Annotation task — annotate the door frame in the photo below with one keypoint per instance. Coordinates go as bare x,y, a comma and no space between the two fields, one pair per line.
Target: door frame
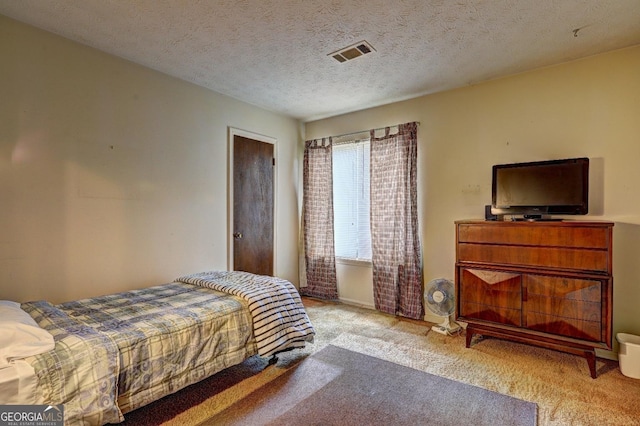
230,212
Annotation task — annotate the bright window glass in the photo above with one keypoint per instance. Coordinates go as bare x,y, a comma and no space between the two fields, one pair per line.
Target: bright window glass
351,200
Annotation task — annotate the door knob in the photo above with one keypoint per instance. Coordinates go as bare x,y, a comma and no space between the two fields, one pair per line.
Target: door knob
237,235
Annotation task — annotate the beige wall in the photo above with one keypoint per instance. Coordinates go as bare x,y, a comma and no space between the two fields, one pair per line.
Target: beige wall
584,108
113,176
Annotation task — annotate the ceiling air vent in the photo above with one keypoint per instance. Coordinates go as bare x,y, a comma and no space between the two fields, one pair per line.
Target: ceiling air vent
352,52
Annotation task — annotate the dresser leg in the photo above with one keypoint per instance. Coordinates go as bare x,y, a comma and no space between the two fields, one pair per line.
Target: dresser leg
591,360
469,336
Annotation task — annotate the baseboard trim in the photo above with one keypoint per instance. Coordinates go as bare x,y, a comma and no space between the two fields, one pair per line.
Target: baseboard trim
356,303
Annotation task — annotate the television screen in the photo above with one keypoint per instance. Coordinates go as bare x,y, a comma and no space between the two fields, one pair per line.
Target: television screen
542,187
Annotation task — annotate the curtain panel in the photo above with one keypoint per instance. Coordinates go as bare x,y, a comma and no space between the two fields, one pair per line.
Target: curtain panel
317,220
397,259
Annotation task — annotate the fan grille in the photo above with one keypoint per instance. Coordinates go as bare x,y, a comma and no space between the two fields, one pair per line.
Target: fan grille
439,297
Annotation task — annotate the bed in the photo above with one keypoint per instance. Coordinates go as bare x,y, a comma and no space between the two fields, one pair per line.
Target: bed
118,352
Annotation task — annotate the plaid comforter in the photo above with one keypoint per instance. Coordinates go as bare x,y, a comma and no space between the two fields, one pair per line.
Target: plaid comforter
81,372
119,352
280,321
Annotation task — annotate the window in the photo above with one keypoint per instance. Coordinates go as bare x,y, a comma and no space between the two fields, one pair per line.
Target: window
352,233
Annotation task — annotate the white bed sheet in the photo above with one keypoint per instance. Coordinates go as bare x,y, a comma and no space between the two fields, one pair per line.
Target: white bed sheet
18,384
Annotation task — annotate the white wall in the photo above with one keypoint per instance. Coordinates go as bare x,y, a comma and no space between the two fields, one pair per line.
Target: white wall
114,176
584,108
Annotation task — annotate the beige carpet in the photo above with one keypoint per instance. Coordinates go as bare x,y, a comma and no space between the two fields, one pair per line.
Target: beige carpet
335,387
559,383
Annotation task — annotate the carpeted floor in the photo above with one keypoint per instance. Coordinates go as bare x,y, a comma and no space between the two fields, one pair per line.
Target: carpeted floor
558,383
335,387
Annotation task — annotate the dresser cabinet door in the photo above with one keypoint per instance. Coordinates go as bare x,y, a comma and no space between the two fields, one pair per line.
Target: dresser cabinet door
491,296
569,307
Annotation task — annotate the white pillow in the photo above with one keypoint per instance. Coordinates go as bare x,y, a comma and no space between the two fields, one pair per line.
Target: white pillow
20,335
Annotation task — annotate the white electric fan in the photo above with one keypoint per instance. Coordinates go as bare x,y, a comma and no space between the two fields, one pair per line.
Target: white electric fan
439,296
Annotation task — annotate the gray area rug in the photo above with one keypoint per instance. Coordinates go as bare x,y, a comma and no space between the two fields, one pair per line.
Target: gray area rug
336,386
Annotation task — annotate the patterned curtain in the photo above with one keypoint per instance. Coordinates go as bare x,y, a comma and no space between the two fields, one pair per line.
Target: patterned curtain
397,260
317,220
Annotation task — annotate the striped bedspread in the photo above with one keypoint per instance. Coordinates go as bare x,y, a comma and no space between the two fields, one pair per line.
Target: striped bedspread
280,321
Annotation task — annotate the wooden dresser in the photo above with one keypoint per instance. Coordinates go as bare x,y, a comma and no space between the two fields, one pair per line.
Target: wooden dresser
544,283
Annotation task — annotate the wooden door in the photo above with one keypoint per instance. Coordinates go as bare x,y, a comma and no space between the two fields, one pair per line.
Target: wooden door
253,205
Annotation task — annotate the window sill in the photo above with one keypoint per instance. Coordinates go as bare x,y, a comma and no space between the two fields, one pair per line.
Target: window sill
353,262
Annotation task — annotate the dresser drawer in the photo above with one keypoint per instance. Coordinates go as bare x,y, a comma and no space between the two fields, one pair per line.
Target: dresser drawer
565,306
495,314
491,288
539,257
536,234
491,296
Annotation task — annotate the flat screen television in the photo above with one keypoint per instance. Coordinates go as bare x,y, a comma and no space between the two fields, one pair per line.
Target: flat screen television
538,189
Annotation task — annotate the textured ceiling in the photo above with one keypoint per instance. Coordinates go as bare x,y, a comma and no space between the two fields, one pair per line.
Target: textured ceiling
274,53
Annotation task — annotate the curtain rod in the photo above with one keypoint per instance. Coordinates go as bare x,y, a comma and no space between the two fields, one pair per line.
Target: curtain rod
366,131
